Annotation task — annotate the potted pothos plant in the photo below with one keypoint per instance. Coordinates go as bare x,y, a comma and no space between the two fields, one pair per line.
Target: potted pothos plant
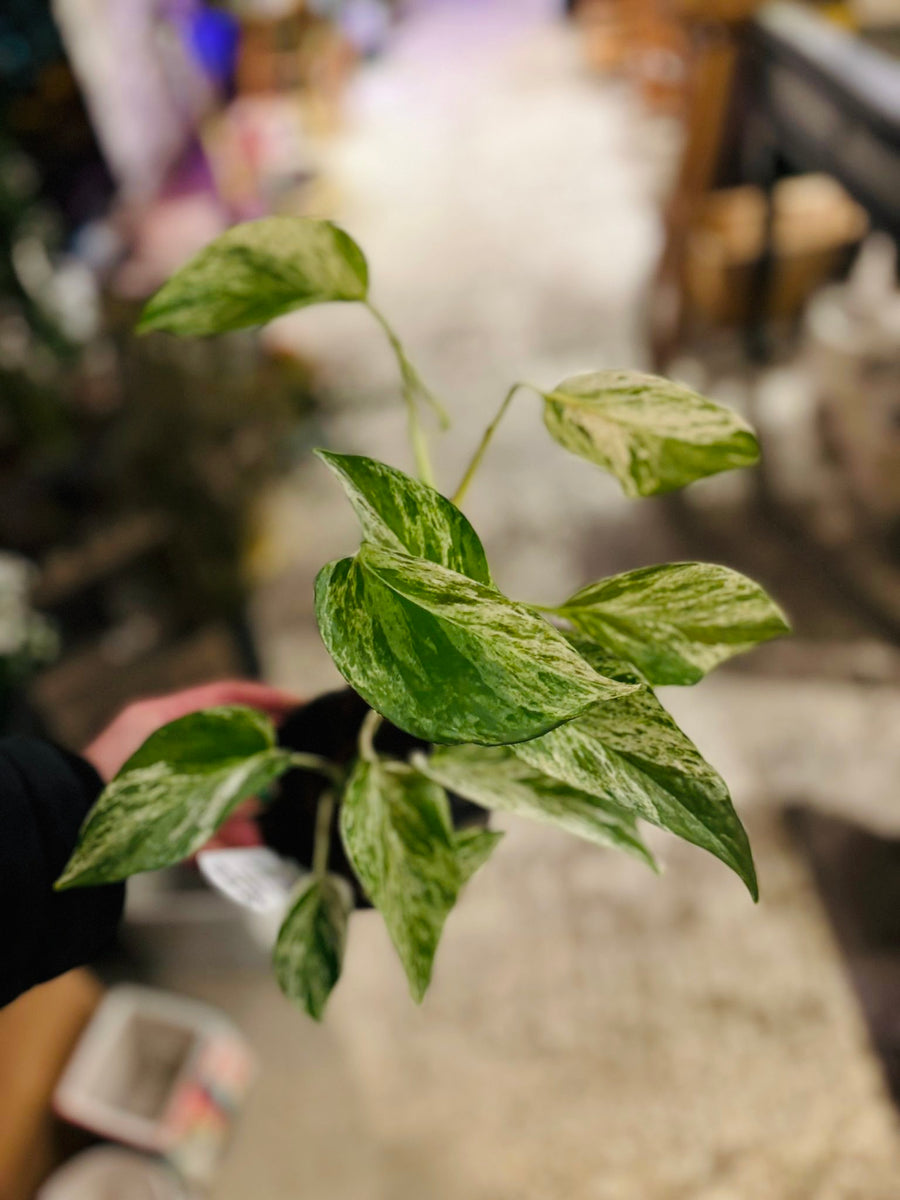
457,689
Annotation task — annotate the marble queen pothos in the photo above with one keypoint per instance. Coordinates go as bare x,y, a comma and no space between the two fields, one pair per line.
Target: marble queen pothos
548,713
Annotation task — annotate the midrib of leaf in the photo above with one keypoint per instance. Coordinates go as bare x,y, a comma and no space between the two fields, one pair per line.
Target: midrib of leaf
580,670
641,417
735,847
218,801
652,628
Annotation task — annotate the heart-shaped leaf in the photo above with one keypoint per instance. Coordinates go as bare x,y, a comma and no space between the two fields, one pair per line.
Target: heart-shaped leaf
633,755
400,513
445,658
676,621
474,847
396,829
174,793
495,777
257,271
652,434
309,952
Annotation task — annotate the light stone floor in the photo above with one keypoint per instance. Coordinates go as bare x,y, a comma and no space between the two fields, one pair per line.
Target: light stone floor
593,1033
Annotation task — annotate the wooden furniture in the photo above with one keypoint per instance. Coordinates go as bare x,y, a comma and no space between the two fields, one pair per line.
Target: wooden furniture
38,1032
716,29
815,98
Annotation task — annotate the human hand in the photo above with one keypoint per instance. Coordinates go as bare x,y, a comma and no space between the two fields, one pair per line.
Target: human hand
134,724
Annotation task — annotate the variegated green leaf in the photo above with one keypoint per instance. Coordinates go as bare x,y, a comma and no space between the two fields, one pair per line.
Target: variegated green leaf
309,952
495,777
652,434
396,829
633,755
445,658
676,621
400,513
174,793
203,740
257,271
474,847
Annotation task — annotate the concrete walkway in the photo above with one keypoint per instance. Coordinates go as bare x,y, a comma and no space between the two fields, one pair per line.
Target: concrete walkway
593,1033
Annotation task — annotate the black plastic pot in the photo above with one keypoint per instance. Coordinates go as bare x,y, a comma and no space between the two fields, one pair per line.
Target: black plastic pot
329,726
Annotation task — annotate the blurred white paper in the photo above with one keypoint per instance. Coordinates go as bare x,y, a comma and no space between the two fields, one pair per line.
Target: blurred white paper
252,876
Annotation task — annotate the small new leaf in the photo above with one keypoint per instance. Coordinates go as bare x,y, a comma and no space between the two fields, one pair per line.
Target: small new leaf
474,847
496,778
400,513
258,271
396,829
445,658
309,952
174,793
652,434
633,755
676,621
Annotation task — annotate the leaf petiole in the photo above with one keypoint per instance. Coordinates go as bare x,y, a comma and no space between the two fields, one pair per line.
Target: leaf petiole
551,609
322,843
414,390
314,762
367,731
488,434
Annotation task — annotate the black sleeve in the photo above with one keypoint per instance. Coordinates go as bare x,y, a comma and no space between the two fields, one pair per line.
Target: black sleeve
45,794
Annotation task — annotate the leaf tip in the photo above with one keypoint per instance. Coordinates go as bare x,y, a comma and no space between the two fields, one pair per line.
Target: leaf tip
787,626
746,869
70,877
418,990
331,460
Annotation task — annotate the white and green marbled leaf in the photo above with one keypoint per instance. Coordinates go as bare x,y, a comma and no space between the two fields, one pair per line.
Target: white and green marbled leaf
400,513
676,621
309,951
397,832
445,658
497,778
633,755
173,794
652,434
255,272
474,846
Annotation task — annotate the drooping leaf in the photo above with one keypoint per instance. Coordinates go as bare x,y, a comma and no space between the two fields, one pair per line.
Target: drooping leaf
400,513
474,847
676,621
497,778
652,434
309,952
396,829
633,755
173,794
445,658
257,271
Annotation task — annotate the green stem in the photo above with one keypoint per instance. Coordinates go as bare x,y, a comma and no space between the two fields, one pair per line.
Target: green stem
322,844
367,732
419,443
414,390
484,443
313,762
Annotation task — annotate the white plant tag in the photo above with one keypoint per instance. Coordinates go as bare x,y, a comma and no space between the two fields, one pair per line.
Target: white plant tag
253,876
